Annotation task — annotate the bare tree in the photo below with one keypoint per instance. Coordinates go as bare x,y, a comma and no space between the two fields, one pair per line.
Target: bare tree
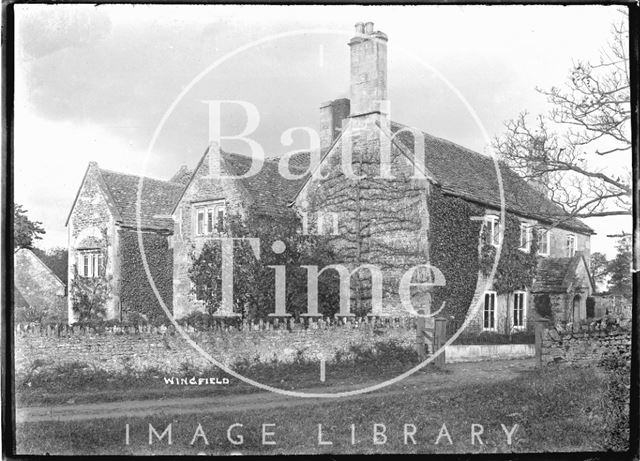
572,152
599,268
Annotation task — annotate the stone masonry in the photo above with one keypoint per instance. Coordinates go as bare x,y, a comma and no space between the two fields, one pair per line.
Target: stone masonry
584,347
168,351
90,221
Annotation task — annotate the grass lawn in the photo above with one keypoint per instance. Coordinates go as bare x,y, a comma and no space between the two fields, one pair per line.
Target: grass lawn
80,384
555,410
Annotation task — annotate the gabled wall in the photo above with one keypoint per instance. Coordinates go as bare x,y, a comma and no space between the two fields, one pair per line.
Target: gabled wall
202,188
91,215
559,239
383,222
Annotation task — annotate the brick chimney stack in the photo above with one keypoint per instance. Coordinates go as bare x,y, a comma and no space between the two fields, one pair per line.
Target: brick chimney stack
368,70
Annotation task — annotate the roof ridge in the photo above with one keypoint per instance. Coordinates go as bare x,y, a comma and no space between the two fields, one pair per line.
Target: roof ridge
444,140
510,174
138,176
294,152
272,159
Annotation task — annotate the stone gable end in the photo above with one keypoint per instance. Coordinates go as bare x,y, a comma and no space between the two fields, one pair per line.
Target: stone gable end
202,188
380,221
91,215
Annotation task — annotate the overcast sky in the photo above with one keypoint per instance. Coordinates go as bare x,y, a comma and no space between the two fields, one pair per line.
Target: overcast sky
93,82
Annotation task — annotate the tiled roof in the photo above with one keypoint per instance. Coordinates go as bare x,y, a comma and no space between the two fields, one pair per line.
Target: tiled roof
550,275
459,171
157,199
182,176
270,191
18,299
556,275
468,174
26,262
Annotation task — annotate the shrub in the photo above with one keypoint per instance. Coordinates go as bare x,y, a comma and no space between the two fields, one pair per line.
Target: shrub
28,314
31,370
134,318
394,350
71,375
254,279
382,353
542,304
197,319
76,375
359,353
616,400
519,337
89,295
591,307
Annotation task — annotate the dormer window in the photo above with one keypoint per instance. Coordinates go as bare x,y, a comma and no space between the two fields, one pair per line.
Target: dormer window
210,217
492,230
571,245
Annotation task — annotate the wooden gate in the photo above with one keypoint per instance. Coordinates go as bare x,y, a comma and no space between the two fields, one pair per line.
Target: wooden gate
430,336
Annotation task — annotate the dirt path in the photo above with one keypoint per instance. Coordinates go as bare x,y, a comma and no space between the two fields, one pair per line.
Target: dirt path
457,374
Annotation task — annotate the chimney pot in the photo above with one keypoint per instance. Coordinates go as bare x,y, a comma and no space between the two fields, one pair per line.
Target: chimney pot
359,27
368,71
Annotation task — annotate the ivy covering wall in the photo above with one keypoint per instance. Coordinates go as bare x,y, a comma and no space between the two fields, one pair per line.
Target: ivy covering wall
454,250
89,295
516,268
136,294
254,279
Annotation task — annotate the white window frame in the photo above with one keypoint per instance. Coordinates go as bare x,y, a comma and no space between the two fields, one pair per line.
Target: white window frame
90,263
523,317
493,323
571,247
210,212
493,223
547,234
527,244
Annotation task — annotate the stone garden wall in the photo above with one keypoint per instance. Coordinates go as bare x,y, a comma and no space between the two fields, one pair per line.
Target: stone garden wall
141,348
585,346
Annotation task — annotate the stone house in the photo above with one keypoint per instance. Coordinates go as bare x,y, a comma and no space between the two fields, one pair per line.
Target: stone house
103,216
368,192
37,287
